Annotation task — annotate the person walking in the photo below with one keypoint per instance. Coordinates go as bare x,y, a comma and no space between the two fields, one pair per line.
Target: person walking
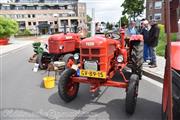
153,42
145,33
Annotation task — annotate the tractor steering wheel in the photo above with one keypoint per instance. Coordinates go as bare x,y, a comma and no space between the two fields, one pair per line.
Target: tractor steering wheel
113,35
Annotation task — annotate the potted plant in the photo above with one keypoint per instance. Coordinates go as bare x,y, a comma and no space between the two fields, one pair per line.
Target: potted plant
8,27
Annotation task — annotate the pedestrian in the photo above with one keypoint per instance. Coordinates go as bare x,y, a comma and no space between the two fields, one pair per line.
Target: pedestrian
145,33
132,30
153,42
141,25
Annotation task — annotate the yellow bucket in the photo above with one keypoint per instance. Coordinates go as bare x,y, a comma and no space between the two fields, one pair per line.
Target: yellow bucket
49,82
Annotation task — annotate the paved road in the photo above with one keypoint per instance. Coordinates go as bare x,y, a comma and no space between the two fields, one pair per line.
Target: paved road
23,96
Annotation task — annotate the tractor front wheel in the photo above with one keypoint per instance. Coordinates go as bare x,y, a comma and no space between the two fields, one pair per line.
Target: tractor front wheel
176,93
137,57
131,94
67,89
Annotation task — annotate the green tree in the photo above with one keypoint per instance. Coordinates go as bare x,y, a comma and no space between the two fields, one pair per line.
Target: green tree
109,26
8,27
124,20
89,19
133,8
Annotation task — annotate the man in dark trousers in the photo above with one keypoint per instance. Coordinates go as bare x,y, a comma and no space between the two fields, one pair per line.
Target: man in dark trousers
153,42
145,33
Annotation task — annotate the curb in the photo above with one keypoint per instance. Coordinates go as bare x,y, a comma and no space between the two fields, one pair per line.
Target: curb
153,76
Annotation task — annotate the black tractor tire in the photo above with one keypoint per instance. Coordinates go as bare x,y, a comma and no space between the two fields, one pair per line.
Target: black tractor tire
65,83
176,94
40,59
131,94
137,58
164,116
66,58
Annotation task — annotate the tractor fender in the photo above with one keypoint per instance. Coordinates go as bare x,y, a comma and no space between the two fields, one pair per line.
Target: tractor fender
175,53
136,38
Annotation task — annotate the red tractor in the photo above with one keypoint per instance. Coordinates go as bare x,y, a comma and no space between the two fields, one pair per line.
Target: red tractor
171,85
60,47
99,59
175,64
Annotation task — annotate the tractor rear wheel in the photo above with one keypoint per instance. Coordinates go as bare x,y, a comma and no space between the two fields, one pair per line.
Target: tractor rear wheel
69,60
176,93
41,60
131,94
67,89
137,58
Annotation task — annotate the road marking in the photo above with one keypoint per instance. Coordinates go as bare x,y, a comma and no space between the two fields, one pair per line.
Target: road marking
154,82
3,55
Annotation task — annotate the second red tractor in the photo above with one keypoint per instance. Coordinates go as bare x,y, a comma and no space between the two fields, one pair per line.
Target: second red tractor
60,47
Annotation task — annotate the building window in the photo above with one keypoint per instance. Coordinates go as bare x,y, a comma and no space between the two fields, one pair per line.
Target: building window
29,23
158,5
55,22
157,16
29,16
22,24
34,23
33,15
150,17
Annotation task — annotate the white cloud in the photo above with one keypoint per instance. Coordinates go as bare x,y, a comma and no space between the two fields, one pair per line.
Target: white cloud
105,10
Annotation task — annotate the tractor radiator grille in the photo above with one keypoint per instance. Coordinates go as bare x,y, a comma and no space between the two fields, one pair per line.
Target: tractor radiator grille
85,51
93,51
91,54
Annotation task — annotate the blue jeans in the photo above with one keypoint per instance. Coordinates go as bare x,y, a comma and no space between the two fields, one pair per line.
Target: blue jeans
146,52
153,55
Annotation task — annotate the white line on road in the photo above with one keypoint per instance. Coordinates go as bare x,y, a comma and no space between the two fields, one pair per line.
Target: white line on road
154,82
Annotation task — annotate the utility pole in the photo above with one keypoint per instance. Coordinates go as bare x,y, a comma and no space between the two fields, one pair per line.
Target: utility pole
93,23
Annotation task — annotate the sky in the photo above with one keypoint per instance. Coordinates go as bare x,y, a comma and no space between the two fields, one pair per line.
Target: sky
105,10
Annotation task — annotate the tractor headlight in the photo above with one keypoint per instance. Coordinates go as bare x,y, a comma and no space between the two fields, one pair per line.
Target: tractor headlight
120,58
61,47
76,56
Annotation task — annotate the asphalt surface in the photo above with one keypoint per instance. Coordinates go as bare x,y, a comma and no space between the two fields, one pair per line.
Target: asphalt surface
23,96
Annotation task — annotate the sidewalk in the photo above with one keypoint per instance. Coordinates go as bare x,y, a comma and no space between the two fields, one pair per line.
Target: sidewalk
17,43
155,73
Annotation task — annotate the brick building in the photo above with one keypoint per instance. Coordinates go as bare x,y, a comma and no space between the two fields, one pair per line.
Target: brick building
155,10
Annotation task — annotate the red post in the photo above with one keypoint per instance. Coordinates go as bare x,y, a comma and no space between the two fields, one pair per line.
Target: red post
168,61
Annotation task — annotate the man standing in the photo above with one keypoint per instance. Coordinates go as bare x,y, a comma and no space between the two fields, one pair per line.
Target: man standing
153,42
145,33
132,29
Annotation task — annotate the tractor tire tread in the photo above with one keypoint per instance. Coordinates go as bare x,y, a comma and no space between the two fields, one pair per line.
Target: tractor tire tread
63,81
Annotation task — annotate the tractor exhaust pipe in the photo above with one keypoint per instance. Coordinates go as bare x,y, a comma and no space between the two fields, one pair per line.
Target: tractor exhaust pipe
65,28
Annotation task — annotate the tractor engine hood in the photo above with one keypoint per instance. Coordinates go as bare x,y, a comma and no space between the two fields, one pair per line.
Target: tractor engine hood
97,42
62,36
175,55
63,43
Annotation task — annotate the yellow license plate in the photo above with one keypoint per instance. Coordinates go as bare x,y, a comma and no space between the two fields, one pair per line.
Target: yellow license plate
93,74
